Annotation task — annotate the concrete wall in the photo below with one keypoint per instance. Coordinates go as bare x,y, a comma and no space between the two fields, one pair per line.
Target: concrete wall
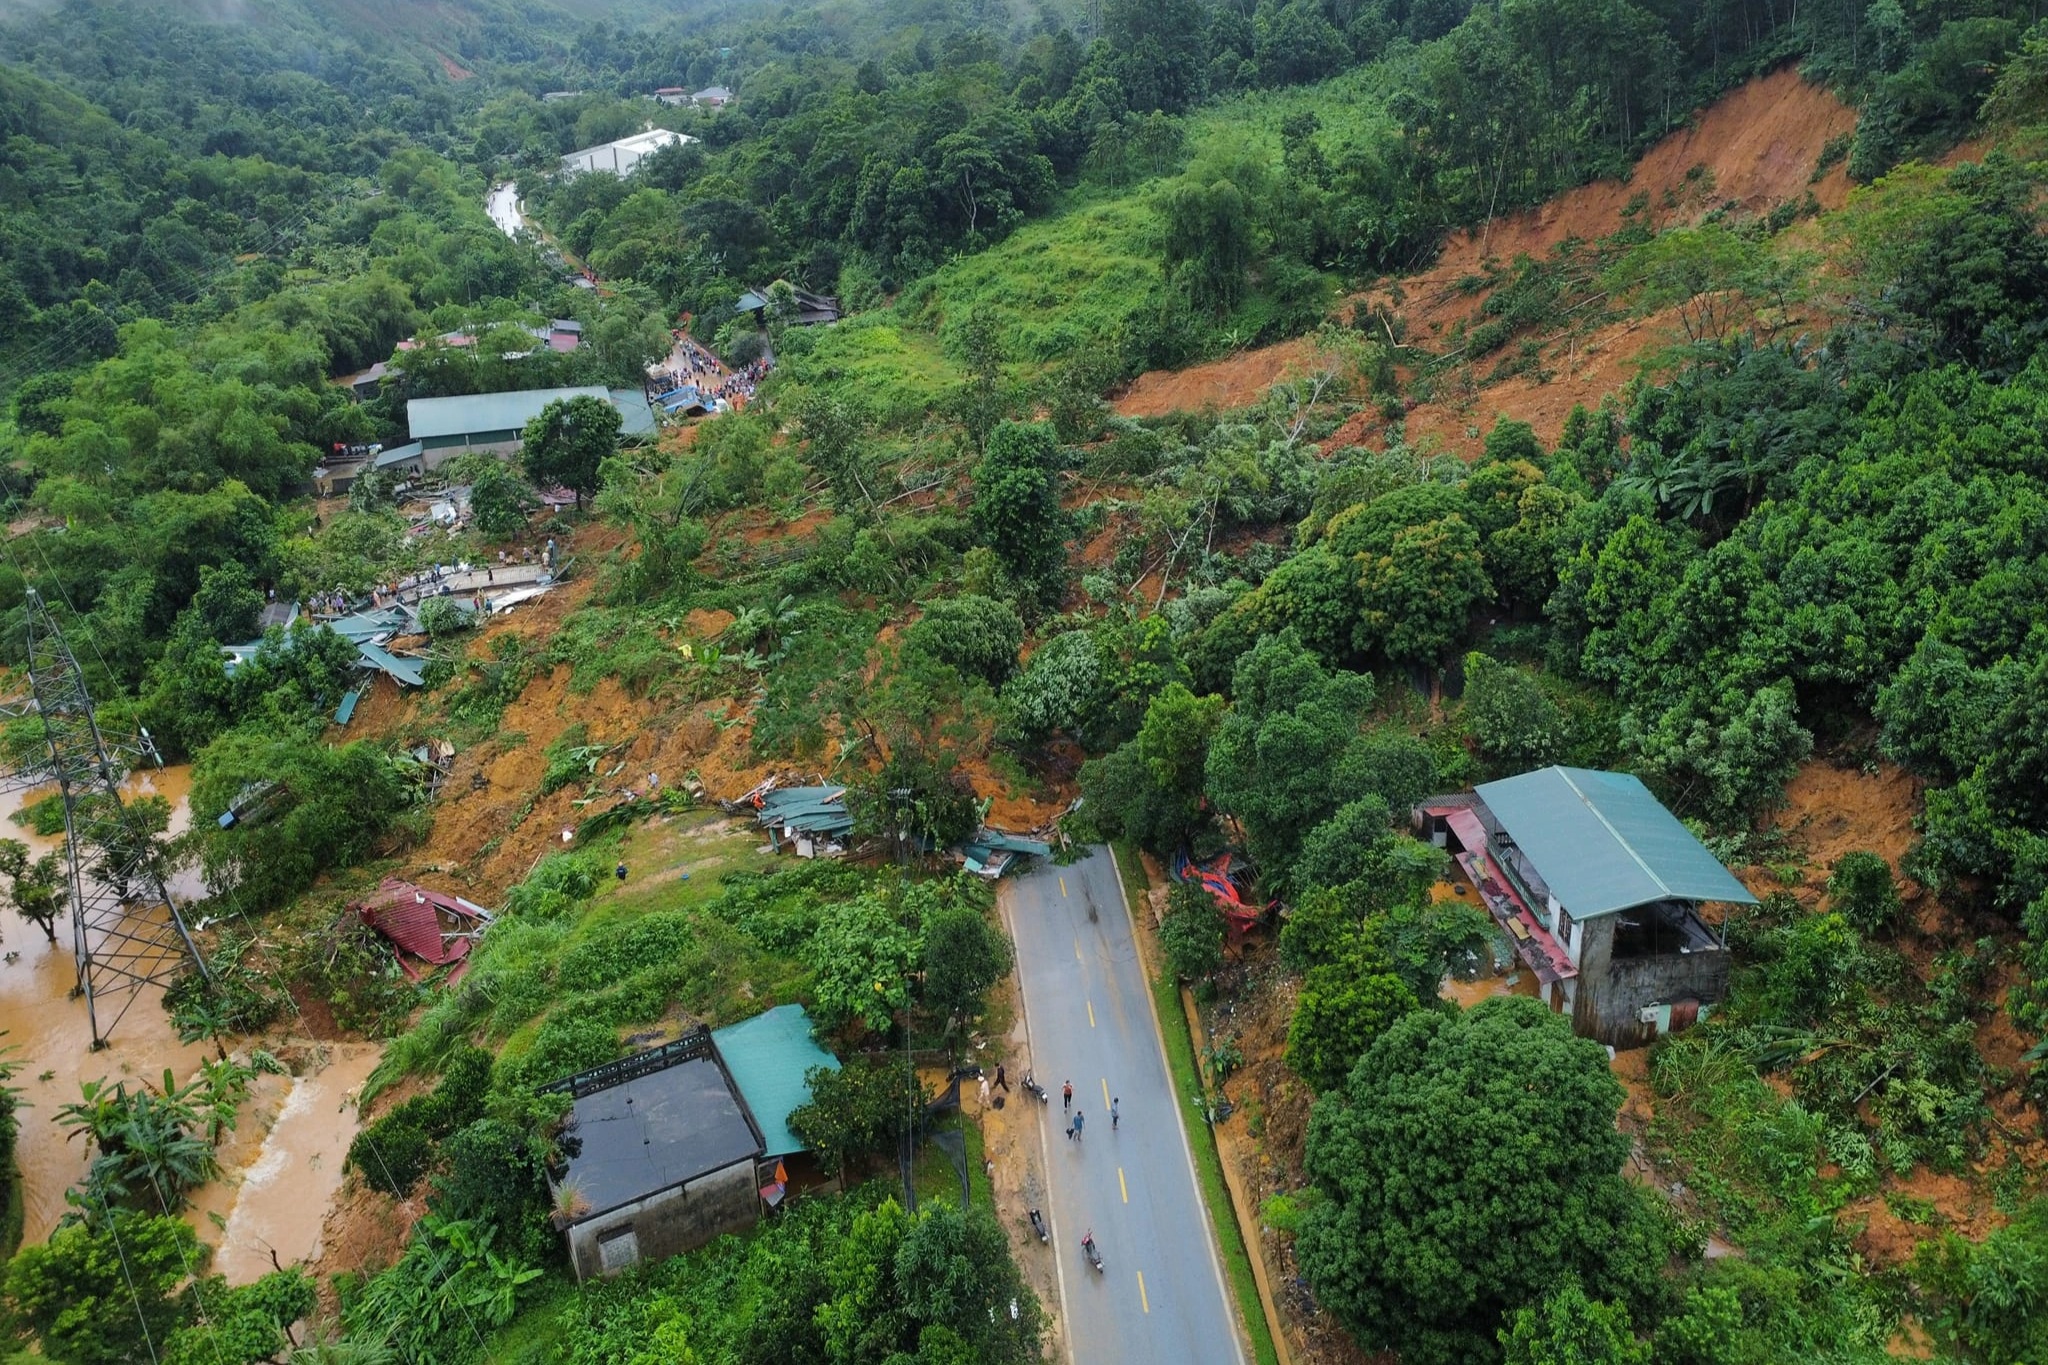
1611,993
671,1222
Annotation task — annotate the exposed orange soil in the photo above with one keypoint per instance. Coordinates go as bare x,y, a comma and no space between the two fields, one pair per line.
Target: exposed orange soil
455,72
1757,147
1233,382
1831,811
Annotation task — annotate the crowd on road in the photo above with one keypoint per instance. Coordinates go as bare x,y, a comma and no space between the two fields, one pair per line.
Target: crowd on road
693,364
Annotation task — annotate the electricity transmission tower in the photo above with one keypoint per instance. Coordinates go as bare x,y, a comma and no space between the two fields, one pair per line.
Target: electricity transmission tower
126,932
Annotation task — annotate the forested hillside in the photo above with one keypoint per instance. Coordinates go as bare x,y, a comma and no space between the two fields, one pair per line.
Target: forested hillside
1354,261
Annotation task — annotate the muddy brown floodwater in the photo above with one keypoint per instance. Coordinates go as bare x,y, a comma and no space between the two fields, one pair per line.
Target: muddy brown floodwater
283,1164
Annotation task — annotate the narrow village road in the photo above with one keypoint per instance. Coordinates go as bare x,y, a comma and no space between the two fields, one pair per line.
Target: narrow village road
1089,1014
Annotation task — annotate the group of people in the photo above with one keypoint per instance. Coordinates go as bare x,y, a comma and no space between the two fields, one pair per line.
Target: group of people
1077,1119
695,365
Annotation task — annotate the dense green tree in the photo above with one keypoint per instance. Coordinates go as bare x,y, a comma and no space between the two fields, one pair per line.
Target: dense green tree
964,955
1282,759
1016,509
977,635
1469,1160
1343,1006
499,502
1567,1328
36,887
1514,724
855,1110
863,958
97,1292
568,441
1191,934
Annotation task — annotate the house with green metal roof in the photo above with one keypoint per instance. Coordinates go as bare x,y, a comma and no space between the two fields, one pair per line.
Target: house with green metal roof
1599,888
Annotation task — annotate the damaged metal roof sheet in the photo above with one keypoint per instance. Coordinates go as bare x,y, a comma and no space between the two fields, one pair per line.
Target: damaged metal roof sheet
813,810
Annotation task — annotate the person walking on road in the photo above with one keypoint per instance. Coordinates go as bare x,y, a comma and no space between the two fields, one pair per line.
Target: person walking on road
1067,1095
1112,1114
1079,1119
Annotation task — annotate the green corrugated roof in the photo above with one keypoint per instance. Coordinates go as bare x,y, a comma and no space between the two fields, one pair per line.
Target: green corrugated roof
476,413
768,1057
1604,844
472,413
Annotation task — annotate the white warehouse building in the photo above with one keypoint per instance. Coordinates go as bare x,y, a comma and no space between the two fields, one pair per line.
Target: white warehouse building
619,158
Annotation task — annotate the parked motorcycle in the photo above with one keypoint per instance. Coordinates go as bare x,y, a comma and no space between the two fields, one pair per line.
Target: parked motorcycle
1044,1097
1038,1226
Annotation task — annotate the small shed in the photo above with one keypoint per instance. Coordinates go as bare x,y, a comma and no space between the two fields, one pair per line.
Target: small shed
660,1154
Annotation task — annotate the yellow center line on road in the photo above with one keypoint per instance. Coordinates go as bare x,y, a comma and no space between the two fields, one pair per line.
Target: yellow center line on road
1105,1092
1143,1300
1091,1014
1063,886
1125,1189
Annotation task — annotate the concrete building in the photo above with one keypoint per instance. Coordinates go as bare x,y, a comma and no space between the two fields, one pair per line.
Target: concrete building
620,158
713,97
665,1150
1598,887
496,422
672,95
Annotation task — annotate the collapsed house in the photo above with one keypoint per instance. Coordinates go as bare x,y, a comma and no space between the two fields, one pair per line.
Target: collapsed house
673,1147
1598,887
990,852
810,820
429,929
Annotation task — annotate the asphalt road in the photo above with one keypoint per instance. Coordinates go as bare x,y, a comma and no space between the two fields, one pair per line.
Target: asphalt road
1160,1296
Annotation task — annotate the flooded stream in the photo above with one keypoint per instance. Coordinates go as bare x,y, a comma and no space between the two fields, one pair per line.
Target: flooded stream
282,1166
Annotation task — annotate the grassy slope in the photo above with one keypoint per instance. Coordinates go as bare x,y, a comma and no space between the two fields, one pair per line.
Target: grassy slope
1076,278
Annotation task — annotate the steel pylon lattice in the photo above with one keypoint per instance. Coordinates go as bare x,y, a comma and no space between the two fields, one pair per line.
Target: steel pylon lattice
127,933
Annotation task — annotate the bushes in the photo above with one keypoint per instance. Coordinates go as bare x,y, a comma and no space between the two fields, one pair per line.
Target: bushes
393,1152
977,635
1191,935
1862,892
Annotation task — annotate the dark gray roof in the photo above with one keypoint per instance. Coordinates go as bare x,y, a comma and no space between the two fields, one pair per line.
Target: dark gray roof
657,1129
1604,844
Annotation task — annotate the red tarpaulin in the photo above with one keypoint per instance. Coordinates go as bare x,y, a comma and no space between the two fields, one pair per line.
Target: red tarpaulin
429,925
1220,876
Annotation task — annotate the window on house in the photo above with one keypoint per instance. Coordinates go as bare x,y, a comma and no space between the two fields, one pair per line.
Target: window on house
618,1248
